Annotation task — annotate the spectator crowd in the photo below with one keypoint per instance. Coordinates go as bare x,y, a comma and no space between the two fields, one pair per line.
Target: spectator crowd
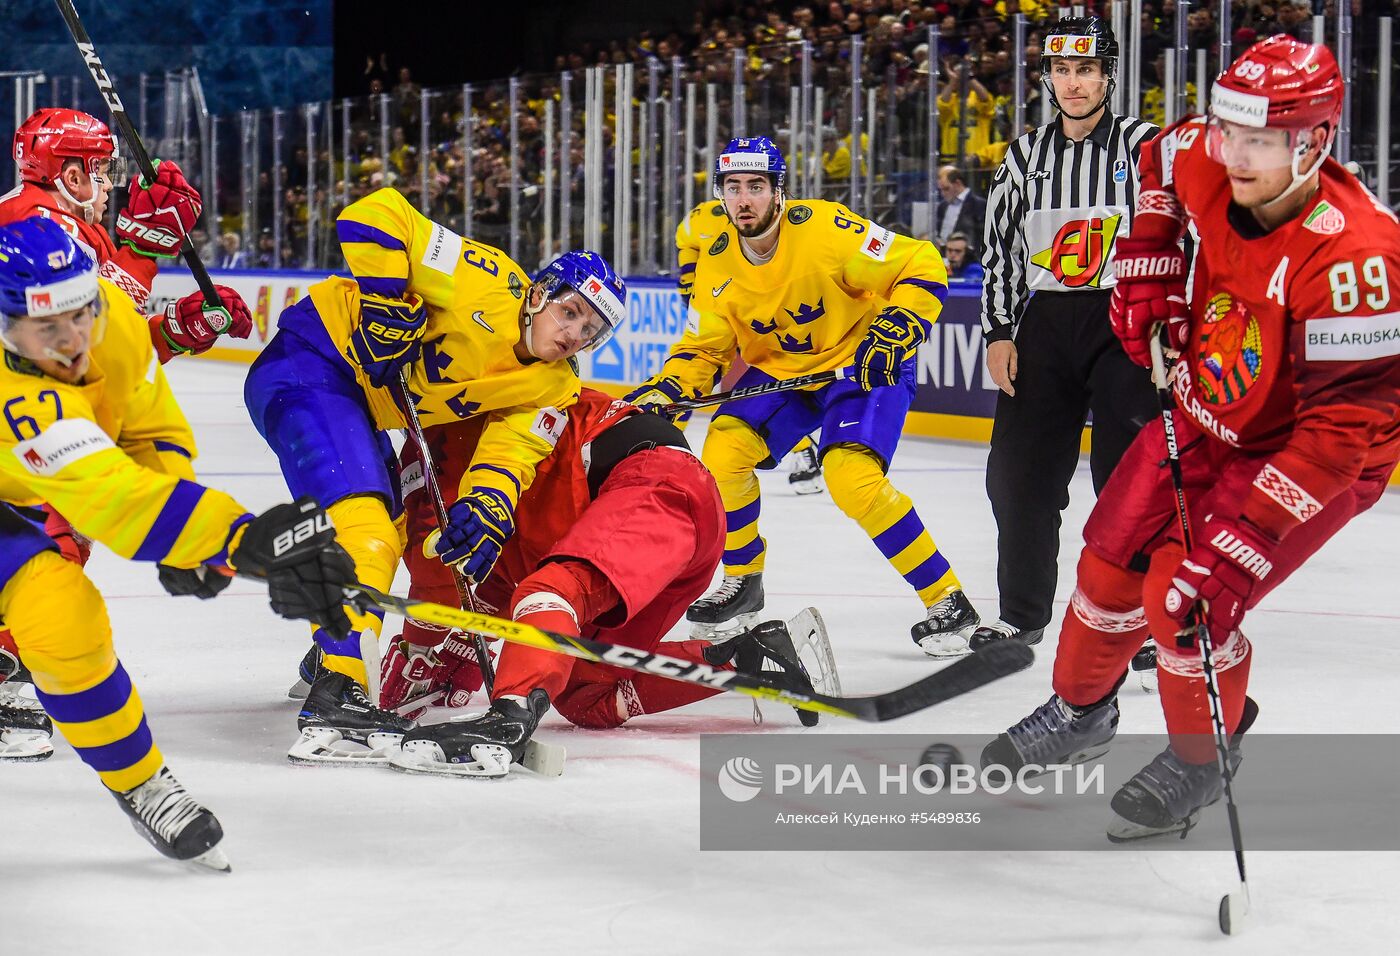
974,79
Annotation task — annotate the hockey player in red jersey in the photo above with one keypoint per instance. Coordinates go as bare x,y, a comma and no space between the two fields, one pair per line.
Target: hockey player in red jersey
67,161
1288,417
621,530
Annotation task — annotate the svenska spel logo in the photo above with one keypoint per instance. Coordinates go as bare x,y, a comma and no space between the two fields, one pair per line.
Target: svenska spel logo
740,779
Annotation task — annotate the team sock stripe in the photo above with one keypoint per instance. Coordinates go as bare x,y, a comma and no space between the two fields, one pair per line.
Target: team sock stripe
740,518
899,535
744,554
102,699
928,572
342,647
119,754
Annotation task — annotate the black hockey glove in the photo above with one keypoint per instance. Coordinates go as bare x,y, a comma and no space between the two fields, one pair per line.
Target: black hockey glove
294,548
203,582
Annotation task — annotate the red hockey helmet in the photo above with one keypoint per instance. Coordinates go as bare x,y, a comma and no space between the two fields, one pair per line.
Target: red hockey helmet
51,137
1265,107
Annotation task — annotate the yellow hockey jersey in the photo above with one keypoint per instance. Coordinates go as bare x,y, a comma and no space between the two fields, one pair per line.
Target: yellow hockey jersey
112,453
468,364
807,308
701,226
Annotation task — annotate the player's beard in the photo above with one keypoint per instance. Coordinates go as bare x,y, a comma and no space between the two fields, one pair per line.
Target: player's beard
760,227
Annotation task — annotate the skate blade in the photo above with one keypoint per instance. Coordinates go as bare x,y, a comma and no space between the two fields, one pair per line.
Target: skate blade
1148,681
299,690
425,758
319,746
943,647
22,746
808,486
809,639
211,860
724,629
1121,830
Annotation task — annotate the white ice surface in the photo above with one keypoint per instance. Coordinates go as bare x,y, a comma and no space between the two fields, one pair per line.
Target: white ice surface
605,859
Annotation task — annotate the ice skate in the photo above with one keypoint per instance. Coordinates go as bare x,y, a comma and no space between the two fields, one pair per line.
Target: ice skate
943,633
806,475
1144,665
1168,795
174,822
1054,733
307,671
24,727
25,730
1001,631
786,655
731,607
337,711
483,746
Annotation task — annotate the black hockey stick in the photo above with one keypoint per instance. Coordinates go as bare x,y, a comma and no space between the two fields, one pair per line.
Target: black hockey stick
425,458
1234,907
801,381
988,664
108,89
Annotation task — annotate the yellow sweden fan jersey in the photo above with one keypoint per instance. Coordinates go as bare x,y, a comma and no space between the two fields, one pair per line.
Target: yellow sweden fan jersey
807,308
468,364
111,453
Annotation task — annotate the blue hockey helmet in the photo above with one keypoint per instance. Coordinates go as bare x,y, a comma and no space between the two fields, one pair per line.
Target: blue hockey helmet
757,154
43,272
593,278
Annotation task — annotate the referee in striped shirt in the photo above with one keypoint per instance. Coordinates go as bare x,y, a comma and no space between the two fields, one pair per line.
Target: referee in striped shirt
1061,197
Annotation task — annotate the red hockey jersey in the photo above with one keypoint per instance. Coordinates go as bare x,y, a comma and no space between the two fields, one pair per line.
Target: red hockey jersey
1295,333
131,272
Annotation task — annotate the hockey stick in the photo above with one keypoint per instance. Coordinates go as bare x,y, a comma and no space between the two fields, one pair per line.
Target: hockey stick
982,667
107,87
801,381
464,591
1234,907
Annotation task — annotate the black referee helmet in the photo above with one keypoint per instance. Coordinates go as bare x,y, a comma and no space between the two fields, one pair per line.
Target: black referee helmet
1084,37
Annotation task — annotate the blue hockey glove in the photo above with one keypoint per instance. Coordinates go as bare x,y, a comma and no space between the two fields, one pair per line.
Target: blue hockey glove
656,393
478,526
389,335
892,338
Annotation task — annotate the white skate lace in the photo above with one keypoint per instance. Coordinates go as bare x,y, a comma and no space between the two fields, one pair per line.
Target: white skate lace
945,609
1002,628
163,805
727,589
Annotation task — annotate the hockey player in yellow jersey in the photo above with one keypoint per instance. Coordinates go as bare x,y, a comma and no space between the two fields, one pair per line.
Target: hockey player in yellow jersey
808,286
697,231
85,413
475,336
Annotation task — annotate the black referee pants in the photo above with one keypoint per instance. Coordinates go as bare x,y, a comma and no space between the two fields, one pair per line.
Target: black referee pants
1069,363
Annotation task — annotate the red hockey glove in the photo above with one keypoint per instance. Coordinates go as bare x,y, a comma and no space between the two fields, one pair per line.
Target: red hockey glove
158,214
1222,571
1151,289
192,326
411,671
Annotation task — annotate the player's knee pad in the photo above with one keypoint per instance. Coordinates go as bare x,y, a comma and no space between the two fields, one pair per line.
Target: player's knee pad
856,481
585,590
1103,629
58,622
733,450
